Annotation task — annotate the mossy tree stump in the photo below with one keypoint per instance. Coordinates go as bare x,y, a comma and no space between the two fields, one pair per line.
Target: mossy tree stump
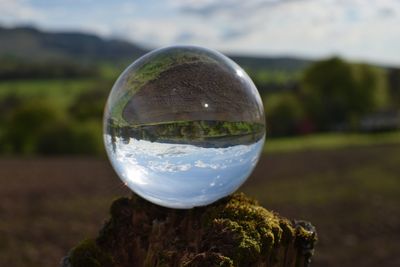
235,231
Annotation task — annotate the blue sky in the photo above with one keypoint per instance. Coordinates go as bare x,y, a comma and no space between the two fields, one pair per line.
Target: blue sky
367,30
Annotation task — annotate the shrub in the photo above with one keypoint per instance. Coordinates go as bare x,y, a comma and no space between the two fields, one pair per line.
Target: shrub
284,114
68,137
41,127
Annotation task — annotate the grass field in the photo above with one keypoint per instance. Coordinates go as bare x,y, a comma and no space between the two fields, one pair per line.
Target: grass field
63,91
352,195
328,141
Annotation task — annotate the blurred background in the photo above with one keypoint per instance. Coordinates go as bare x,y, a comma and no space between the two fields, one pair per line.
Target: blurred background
328,73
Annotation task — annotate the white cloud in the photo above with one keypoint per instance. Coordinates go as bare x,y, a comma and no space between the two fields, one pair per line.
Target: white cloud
165,166
357,29
18,11
166,31
201,164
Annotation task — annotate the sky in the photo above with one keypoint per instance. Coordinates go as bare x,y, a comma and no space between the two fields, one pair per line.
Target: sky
359,30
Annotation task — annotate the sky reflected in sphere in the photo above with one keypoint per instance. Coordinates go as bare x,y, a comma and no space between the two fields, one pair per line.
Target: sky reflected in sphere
184,126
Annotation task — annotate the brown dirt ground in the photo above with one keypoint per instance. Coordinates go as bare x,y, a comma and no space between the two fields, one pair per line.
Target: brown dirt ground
352,195
181,93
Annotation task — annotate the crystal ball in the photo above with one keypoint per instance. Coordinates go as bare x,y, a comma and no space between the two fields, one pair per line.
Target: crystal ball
184,126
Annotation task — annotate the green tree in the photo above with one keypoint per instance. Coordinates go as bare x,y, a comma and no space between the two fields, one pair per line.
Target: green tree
90,103
69,137
336,92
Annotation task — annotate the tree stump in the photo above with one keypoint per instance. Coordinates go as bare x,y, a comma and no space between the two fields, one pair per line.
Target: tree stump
235,231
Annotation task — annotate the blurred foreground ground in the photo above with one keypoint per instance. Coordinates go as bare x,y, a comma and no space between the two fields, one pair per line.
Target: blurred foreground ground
352,195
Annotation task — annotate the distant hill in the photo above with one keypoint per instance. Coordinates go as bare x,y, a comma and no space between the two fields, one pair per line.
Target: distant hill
271,63
32,45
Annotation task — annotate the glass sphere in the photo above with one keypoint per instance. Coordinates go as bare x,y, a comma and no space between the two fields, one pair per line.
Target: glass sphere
184,126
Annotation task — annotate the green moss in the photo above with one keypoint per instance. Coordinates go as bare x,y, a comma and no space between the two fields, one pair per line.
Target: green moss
288,232
88,254
209,260
305,236
253,230
246,244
